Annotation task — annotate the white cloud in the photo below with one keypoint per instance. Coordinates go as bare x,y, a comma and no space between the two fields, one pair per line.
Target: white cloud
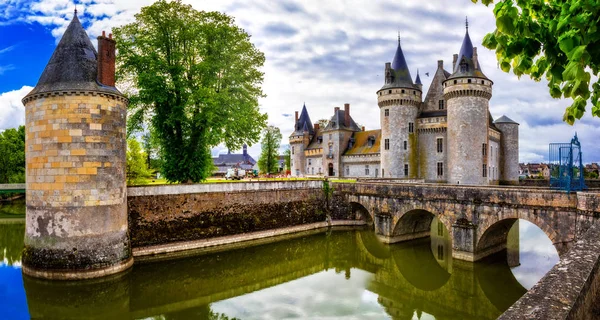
327,53
12,111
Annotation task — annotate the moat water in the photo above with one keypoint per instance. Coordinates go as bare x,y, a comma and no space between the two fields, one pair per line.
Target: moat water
324,275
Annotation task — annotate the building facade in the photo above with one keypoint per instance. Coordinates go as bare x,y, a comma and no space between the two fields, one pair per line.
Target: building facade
448,136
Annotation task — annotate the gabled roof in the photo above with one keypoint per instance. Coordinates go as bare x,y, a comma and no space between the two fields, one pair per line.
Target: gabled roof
73,65
361,142
233,159
465,56
303,123
314,143
337,122
505,119
400,74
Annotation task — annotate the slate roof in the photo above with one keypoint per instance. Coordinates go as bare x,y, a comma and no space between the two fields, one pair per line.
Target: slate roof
233,159
418,80
73,65
315,144
466,54
303,123
337,122
401,74
361,142
505,119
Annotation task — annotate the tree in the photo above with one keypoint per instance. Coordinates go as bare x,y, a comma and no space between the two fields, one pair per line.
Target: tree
288,159
196,76
269,156
137,168
555,39
12,155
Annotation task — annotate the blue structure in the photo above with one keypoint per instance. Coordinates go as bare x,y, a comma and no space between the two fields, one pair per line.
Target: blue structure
566,166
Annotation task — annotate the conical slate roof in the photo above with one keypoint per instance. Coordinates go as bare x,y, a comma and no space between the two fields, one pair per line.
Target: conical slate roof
401,74
73,65
505,119
303,123
465,56
418,80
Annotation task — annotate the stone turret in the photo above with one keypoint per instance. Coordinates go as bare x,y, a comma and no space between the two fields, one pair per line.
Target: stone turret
509,148
76,224
467,92
299,140
398,101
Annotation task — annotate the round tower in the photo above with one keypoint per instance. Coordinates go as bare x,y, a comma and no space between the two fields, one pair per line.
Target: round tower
299,140
509,146
467,92
76,225
398,101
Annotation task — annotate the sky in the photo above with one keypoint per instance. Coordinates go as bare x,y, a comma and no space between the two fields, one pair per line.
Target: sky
319,53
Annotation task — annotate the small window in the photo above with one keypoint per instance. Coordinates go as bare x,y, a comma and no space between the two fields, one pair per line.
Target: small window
390,91
441,104
484,169
387,144
347,171
366,170
402,90
440,169
440,252
406,170
411,127
440,145
482,82
313,170
469,81
387,112
405,145
310,162
440,229
484,149
415,93
292,150
454,81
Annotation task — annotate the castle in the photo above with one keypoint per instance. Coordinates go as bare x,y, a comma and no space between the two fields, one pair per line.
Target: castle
449,137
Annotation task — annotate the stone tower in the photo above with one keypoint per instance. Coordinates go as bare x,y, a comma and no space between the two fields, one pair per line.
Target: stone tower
336,136
76,225
299,140
467,92
398,101
509,149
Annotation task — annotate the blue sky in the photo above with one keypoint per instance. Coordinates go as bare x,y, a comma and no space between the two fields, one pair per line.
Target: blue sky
324,53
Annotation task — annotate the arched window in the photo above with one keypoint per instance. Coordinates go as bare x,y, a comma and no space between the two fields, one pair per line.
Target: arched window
464,67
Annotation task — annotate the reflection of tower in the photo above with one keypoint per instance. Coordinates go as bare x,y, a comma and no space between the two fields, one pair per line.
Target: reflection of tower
512,246
76,192
440,244
467,92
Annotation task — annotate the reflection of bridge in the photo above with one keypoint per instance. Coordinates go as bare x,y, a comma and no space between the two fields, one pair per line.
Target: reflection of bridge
478,217
407,277
12,188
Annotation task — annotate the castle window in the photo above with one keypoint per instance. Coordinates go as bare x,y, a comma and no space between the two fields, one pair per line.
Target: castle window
390,91
406,170
484,167
387,144
454,81
469,81
440,228
402,90
440,145
366,170
387,112
292,150
309,162
347,170
440,252
415,93
440,169
405,145
411,127
464,67
313,170
484,149
441,104
482,82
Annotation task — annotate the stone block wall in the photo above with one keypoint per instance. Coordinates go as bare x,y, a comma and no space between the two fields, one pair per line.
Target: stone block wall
166,214
76,188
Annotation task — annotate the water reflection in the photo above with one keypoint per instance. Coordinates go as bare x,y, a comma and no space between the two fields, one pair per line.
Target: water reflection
345,274
13,209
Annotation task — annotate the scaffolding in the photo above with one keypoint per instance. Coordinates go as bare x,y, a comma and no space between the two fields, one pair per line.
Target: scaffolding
566,166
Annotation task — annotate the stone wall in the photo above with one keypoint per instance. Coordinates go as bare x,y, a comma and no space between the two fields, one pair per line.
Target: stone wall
166,214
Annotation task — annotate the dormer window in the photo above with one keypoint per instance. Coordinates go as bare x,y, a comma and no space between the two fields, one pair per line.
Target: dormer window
320,139
464,67
350,143
371,141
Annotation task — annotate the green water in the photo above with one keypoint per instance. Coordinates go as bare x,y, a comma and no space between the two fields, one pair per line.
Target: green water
333,275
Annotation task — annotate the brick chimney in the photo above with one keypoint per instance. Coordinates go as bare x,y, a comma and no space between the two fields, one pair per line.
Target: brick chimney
347,115
106,60
363,128
440,64
316,126
475,60
454,58
296,117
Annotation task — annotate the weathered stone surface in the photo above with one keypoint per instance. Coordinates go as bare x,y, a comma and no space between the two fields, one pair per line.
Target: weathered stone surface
164,218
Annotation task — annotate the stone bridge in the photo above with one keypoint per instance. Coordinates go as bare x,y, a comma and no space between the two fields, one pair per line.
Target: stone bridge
478,218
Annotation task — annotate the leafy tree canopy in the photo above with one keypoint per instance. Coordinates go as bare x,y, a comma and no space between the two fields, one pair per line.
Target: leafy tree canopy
196,75
136,168
288,159
555,39
12,155
269,156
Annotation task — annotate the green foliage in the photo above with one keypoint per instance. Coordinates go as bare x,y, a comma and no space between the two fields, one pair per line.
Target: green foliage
268,162
288,159
555,39
137,168
196,76
12,155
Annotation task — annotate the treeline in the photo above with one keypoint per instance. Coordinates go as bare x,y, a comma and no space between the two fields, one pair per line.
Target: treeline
12,155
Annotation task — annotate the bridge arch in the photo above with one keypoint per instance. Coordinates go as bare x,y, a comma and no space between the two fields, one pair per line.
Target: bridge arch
416,223
361,213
